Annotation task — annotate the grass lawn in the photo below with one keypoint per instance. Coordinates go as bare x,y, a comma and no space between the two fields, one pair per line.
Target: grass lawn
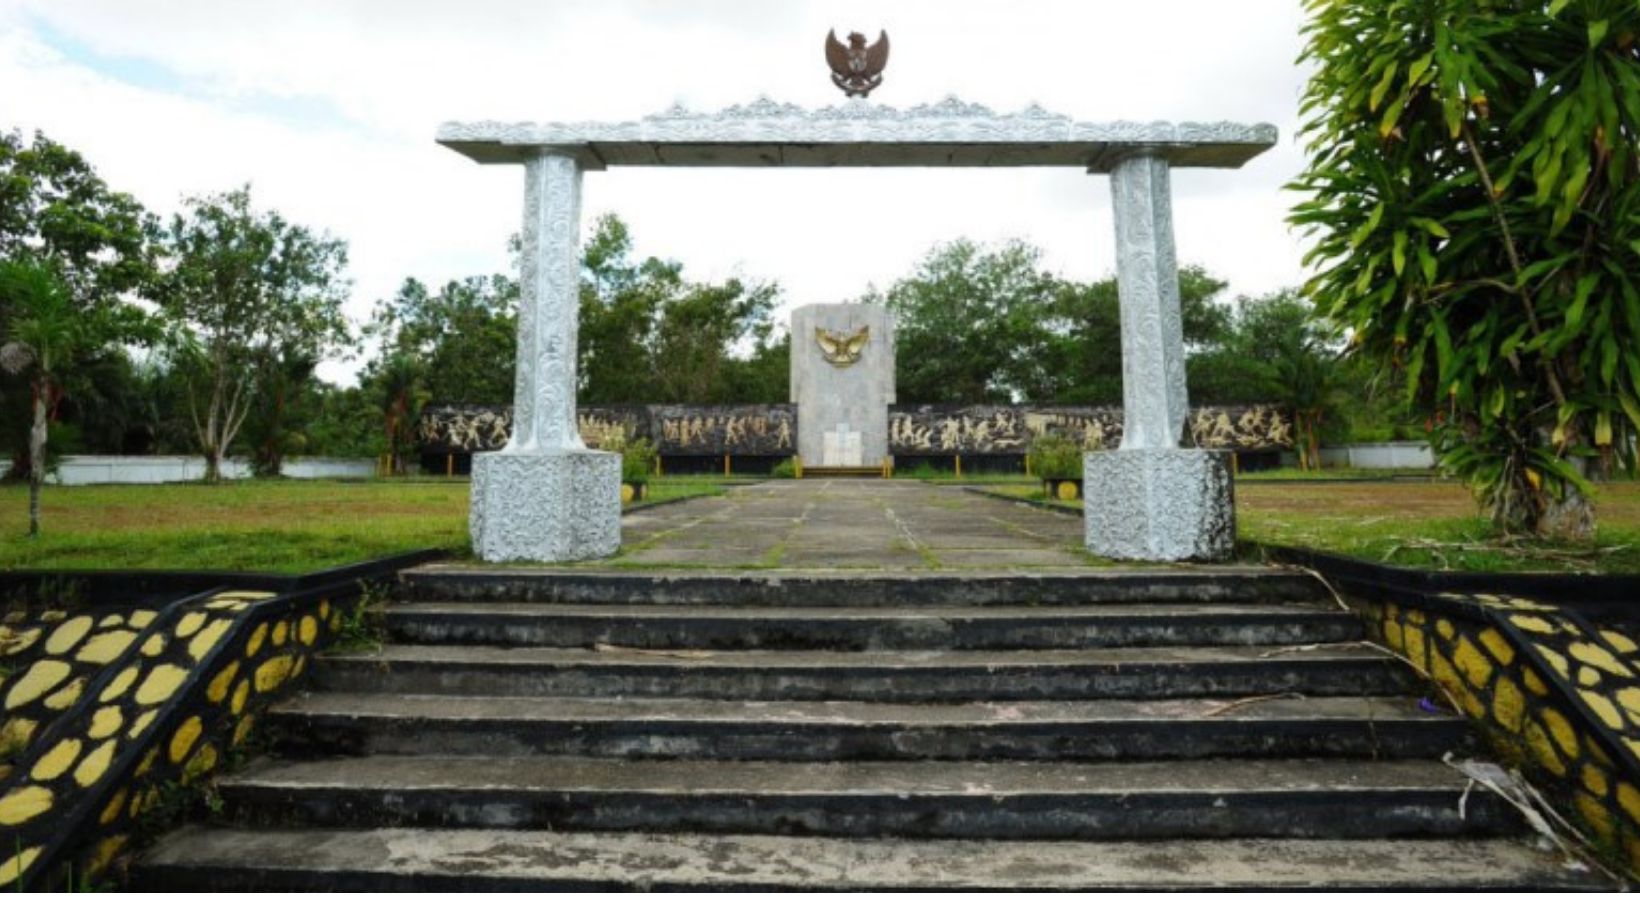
1426,524
284,526
297,526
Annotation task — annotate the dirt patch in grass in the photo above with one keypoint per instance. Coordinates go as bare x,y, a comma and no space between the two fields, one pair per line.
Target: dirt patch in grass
1350,499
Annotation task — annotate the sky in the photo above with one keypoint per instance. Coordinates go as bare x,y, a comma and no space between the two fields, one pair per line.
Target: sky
328,108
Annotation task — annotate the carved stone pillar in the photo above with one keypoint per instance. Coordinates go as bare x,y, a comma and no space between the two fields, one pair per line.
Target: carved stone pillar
1154,401
546,497
1151,500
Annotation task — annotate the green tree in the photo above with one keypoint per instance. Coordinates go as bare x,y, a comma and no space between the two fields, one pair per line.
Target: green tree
59,217
1080,358
53,206
464,336
968,323
275,425
762,376
400,387
977,324
1472,198
649,334
1305,375
48,334
247,290
346,422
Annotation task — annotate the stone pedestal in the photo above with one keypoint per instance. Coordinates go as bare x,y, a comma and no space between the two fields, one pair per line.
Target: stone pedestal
559,506
1159,504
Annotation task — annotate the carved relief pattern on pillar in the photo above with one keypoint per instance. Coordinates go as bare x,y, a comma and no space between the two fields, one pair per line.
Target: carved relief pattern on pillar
1153,384
551,301
529,301
950,120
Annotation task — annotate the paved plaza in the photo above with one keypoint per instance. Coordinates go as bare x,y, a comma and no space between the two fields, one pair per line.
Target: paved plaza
841,523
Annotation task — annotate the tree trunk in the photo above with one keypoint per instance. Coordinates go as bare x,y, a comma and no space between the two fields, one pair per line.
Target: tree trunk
1569,519
37,457
213,465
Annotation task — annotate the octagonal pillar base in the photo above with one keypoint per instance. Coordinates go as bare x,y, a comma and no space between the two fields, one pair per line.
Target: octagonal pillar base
546,507
1159,504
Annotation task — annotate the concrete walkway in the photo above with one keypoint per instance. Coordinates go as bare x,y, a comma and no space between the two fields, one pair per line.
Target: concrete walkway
818,523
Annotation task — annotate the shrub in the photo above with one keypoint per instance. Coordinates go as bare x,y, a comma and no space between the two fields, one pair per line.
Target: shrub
1055,457
637,461
786,469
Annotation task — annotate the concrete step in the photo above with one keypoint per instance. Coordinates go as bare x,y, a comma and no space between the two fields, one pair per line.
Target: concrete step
380,859
895,676
360,723
921,627
1224,798
469,582
842,471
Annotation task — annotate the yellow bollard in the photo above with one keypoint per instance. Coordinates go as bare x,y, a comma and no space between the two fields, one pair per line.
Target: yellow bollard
726,466
959,466
449,465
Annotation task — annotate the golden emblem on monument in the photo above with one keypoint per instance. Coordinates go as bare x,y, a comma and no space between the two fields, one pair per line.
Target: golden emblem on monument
841,349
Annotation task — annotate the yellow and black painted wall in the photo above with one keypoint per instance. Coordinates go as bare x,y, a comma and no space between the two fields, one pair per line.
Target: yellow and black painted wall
108,712
1548,668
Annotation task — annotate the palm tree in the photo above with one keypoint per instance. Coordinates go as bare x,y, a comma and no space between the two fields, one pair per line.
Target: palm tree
400,381
43,332
1307,376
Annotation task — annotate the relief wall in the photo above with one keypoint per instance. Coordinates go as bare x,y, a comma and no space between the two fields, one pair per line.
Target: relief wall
913,430
677,430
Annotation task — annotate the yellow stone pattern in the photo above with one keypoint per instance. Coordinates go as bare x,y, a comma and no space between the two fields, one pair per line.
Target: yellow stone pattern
57,760
1595,677
157,663
106,721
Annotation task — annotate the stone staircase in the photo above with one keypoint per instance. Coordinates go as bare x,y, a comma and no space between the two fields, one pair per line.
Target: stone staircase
1160,729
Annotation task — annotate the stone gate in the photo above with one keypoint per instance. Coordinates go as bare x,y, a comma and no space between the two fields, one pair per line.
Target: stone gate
546,497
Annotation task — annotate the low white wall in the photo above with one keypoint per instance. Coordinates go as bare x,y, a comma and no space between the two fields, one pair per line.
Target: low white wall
1377,455
79,470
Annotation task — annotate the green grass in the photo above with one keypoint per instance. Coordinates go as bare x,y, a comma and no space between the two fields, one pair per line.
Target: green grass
1421,524
283,526
662,490
947,477
298,526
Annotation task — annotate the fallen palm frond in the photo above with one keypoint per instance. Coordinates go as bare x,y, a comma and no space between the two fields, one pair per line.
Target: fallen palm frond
1548,824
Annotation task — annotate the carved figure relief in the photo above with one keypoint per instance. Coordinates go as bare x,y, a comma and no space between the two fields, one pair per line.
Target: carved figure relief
771,429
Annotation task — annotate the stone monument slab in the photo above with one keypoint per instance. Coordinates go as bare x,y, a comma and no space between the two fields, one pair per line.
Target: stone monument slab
842,381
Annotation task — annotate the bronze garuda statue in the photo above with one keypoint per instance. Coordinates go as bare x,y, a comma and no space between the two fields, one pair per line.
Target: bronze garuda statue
857,68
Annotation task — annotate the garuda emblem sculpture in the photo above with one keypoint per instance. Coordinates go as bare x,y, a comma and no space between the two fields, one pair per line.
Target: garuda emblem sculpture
857,68
841,349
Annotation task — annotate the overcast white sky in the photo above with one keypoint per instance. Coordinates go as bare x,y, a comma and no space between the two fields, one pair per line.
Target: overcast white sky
328,109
